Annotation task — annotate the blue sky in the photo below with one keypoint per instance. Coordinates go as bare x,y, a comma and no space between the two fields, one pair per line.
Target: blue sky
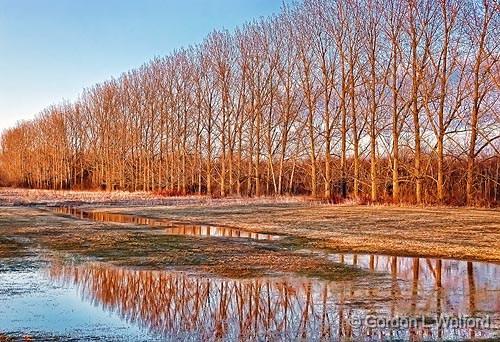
51,49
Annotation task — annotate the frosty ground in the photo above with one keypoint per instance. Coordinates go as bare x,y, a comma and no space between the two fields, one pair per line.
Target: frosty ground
460,233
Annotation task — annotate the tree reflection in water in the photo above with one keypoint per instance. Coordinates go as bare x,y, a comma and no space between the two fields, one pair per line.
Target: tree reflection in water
178,304
171,227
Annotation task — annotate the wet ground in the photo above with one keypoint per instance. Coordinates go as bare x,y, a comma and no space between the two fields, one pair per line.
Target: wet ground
88,275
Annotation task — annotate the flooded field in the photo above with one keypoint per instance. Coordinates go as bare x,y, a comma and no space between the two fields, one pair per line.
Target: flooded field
77,288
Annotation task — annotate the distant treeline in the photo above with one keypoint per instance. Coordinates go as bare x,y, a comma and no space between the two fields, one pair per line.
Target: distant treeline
375,100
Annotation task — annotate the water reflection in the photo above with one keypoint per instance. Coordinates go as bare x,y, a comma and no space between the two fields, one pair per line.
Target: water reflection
437,285
180,305
171,227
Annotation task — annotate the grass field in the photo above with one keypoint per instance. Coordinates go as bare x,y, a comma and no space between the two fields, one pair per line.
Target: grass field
460,233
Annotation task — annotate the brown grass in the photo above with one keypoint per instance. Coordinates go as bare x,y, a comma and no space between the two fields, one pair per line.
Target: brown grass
460,233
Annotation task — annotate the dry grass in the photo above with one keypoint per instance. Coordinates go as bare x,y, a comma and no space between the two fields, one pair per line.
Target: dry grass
25,197
34,197
461,233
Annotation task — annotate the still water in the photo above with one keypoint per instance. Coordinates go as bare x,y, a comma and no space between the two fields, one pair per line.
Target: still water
98,300
171,227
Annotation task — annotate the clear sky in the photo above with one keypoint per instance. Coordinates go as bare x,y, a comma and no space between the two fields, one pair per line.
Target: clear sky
51,49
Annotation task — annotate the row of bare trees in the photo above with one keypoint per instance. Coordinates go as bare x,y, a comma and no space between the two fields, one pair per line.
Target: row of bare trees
381,100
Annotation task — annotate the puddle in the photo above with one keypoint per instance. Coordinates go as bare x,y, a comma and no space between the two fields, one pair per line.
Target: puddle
171,227
97,299
32,305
